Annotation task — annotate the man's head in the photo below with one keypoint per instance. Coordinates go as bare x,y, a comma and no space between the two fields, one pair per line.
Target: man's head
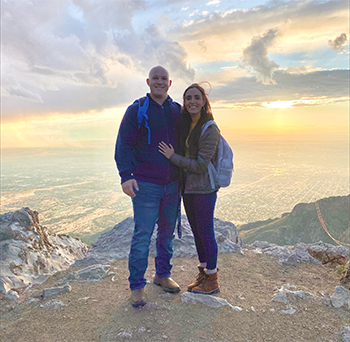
159,83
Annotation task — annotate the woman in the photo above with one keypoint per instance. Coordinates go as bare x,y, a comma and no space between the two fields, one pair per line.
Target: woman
196,150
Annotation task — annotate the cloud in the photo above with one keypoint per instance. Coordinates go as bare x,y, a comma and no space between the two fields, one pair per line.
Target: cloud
324,86
24,93
338,43
255,56
153,48
305,25
77,55
213,2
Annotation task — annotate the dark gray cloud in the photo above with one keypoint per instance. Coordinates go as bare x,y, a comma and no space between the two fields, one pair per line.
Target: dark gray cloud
338,43
153,48
255,56
331,84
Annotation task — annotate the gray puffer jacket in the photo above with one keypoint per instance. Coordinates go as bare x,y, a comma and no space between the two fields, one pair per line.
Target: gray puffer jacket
197,179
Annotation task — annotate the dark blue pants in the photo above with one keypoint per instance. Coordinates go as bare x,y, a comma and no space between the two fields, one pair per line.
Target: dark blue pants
153,204
200,213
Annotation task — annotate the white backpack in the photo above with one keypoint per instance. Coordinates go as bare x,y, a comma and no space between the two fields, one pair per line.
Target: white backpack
221,173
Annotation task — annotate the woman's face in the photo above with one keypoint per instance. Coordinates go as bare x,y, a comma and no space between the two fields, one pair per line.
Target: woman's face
194,101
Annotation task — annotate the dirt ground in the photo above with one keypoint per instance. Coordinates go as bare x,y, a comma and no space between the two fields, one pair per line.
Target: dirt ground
102,312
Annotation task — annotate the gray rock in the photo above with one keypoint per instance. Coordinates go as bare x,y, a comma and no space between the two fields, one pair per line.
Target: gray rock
125,334
29,252
341,298
287,255
13,295
326,302
345,334
32,300
92,259
211,301
56,290
300,253
288,312
4,287
288,293
90,274
53,304
24,217
115,243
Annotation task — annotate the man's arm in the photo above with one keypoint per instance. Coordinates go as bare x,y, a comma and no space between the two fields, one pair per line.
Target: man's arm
124,150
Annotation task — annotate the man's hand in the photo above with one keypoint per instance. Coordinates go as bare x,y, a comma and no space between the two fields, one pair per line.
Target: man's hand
129,186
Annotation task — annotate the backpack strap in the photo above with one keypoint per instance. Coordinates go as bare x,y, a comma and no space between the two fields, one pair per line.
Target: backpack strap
207,124
211,168
142,117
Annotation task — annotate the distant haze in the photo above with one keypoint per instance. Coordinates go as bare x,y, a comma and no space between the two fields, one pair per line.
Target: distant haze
78,190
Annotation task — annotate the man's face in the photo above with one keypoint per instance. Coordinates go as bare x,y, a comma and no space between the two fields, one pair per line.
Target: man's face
159,82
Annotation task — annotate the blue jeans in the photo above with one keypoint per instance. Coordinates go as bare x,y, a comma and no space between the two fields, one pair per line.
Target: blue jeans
153,204
200,213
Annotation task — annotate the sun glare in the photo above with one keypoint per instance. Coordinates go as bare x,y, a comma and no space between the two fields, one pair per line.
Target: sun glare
279,104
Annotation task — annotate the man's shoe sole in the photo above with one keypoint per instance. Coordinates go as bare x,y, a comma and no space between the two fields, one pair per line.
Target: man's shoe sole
174,290
138,304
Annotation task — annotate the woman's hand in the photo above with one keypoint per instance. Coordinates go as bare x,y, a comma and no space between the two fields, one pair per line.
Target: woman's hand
166,150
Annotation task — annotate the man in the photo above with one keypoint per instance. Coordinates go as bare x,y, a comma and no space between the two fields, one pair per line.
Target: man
152,183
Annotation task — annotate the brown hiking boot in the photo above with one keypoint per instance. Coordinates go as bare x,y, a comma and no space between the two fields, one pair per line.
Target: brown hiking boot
138,298
209,284
199,279
167,284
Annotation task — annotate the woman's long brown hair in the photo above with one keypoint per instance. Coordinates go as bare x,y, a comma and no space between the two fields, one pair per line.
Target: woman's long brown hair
185,122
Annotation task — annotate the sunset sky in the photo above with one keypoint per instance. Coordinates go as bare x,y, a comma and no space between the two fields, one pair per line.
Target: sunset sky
69,68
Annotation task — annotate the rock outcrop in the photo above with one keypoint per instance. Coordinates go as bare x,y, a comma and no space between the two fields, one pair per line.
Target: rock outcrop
115,243
319,253
29,253
345,277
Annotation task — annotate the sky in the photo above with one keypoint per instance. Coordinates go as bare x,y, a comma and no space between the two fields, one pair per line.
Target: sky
70,68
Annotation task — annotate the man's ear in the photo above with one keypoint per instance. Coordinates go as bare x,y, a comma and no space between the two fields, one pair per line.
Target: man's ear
147,81
170,82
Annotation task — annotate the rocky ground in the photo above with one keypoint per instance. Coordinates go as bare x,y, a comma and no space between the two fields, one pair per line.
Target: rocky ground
101,311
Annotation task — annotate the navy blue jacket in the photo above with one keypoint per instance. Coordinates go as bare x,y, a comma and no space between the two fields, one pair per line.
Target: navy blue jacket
134,157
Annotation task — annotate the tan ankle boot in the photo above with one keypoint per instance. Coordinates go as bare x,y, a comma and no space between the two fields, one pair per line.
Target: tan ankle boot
138,298
199,279
209,285
167,284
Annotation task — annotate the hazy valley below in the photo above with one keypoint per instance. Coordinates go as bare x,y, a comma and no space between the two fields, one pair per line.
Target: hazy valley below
78,191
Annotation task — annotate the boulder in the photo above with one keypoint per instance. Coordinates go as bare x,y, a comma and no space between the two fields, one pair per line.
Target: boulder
56,290
115,243
29,251
211,301
341,298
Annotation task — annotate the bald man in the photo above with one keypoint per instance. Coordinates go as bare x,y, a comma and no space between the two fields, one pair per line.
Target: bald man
151,181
